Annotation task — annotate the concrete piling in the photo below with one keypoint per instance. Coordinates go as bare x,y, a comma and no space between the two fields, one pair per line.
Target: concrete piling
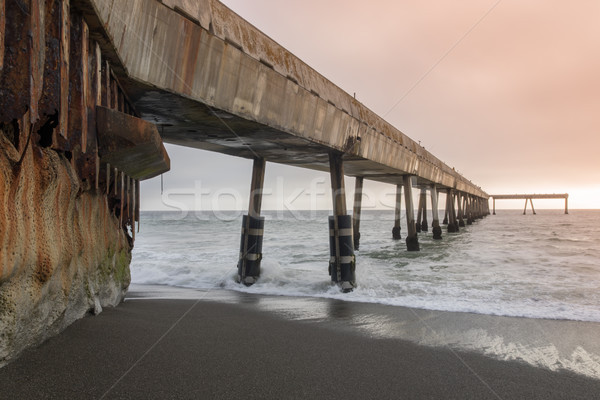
252,229
358,185
342,262
469,209
445,221
437,230
412,241
452,223
423,203
396,229
419,214
459,197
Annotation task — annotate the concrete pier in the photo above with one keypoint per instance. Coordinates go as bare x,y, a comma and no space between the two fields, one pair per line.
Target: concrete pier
469,209
91,88
396,229
419,214
437,230
358,186
422,219
412,241
451,212
528,198
252,228
342,260
460,204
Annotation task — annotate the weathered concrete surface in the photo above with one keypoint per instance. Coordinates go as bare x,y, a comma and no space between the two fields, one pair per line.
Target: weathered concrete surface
63,254
67,220
215,82
130,144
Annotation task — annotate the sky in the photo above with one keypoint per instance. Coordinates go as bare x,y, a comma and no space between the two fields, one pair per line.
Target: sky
507,92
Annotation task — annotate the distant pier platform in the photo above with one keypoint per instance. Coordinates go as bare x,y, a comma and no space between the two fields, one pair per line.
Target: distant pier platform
529,198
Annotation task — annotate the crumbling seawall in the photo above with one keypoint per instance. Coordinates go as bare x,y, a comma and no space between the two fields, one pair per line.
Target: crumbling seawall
72,153
63,252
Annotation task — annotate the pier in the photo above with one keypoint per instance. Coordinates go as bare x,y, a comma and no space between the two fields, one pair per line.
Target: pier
90,89
203,77
210,80
529,199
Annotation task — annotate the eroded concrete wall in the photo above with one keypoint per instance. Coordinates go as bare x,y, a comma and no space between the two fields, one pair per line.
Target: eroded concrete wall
63,253
67,219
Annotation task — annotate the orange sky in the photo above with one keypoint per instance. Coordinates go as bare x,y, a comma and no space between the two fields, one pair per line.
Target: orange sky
512,100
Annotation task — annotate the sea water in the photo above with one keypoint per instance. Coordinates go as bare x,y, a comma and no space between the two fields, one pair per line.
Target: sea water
536,266
543,267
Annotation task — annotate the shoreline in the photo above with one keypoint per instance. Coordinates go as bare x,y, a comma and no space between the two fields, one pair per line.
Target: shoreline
546,343
233,345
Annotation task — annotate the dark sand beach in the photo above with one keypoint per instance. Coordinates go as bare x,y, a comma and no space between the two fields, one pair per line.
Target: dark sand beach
186,344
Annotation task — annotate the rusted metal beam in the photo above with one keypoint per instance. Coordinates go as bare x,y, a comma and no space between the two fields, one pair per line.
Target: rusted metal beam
65,35
85,84
37,57
131,144
133,207
106,100
2,32
14,76
137,202
122,197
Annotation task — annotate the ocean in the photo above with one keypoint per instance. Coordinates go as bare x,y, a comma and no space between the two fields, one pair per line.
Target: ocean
535,266
510,286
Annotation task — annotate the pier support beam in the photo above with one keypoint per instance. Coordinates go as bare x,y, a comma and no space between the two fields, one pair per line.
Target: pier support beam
437,230
469,209
452,224
358,186
396,229
252,229
445,221
419,214
423,205
341,245
412,241
460,203
525,209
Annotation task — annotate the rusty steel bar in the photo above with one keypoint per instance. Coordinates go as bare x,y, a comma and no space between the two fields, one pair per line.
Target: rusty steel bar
113,94
122,198
85,84
127,192
137,202
98,74
106,84
107,178
133,201
65,34
37,58
2,32
116,180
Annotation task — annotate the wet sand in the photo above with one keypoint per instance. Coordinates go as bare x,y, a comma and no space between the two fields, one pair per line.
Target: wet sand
165,343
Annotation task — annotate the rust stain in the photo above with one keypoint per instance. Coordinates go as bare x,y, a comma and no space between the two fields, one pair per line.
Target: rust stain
36,54
85,84
2,31
122,196
65,35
